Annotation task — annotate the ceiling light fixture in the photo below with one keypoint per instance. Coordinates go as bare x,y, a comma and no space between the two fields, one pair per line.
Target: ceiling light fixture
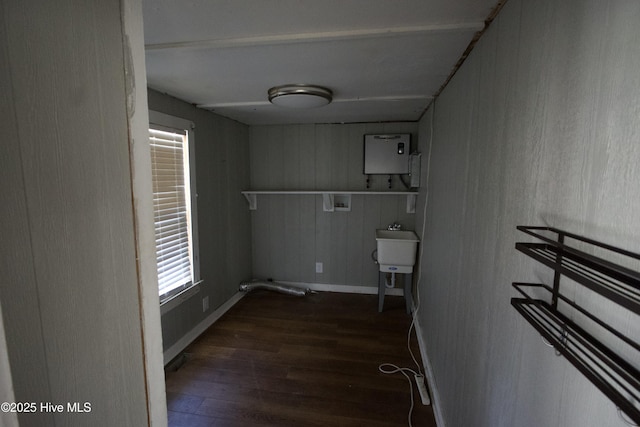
300,96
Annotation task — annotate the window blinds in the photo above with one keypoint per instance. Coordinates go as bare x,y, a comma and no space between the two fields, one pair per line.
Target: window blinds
171,205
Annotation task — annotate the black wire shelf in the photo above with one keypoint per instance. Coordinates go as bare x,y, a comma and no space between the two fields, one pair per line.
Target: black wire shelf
599,359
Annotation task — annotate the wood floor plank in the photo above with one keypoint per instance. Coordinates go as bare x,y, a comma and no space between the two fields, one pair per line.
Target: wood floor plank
183,419
278,360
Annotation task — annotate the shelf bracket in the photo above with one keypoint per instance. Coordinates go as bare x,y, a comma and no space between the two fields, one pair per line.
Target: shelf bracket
411,203
327,202
252,199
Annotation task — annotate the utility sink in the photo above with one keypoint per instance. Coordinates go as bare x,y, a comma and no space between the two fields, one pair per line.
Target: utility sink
397,250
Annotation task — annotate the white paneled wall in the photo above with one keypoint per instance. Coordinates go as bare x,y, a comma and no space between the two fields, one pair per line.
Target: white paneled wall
540,126
68,280
292,232
222,163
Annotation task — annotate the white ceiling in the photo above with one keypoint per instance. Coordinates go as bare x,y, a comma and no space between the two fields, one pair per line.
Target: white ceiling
383,59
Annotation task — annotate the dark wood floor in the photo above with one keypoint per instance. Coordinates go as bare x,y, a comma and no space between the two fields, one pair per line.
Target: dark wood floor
278,360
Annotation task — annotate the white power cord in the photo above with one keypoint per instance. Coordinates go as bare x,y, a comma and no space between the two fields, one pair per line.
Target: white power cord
424,226
389,368
625,419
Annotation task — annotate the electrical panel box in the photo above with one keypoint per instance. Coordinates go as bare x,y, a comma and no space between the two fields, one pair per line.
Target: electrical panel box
387,154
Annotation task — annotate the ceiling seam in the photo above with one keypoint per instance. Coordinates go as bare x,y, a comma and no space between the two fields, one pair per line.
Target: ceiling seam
487,23
338,100
317,37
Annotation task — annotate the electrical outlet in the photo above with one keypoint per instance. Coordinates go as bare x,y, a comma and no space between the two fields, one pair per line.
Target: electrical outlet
319,267
205,304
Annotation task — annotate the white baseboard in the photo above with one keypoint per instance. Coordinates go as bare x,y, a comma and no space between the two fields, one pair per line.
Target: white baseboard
433,388
348,289
194,333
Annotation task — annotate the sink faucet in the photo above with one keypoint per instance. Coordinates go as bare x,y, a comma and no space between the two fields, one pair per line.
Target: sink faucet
394,227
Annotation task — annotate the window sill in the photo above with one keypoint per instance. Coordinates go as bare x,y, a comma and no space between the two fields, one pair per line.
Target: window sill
177,299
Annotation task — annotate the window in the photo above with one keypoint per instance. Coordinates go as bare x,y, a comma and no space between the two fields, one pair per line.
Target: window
174,203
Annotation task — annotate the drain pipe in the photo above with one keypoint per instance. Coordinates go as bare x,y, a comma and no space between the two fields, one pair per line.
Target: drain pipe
391,284
269,285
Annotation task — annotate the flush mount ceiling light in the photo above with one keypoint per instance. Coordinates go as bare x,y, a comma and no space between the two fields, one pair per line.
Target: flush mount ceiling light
300,96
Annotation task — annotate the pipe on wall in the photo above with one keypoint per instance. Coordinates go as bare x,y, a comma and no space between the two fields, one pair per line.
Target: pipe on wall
249,286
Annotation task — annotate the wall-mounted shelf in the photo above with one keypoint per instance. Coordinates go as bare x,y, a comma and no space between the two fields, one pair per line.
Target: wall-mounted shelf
333,200
598,349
